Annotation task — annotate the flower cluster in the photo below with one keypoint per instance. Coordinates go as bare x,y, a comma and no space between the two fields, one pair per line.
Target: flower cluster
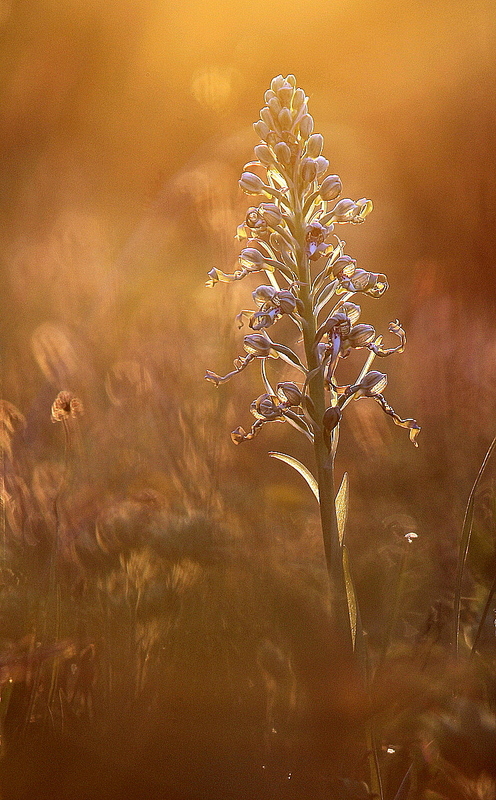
290,236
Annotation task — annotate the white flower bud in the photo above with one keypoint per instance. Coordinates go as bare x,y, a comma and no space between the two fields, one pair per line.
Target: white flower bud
267,117
322,165
261,129
283,153
251,183
298,99
269,94
291,80
285,119
250,256
263,154
276,83
306,126
344,210
275,107
308,170
271,214
330,188
315,145
285,94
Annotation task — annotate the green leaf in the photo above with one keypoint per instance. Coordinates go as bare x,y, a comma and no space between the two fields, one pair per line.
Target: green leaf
350,596
301,468
342,499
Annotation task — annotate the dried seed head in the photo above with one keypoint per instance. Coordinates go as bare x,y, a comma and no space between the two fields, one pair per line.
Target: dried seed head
331,187
251,183
66,405
315,145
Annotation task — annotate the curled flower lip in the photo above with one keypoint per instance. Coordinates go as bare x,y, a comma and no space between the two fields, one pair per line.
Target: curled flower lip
65,406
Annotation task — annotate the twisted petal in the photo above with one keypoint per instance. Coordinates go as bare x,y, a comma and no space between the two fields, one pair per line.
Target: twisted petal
411,424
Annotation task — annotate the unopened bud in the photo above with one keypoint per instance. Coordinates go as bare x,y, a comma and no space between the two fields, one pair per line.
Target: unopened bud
291,80
285,119
265,408
352,311
263,294
332,417
298,99
266,117
289,393
251,183
250,256
277,82
261,129
344,211
315,145
308,170
271,214
360,335
306,126
285,94
263,154
257,345
286,301
269,94
283,153
373,383
322,165
275,107
330,188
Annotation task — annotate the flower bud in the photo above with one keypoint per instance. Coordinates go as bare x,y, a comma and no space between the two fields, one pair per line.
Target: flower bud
298,99
306,126
364,207
352,311
308,170
271,214
267,117
261,129
238,435
256,344
285,119
360,335
291,80
275,107
322,165
263,294
344,266
330,188
285,94
269,94
265,408
263,154
277,82
251,183
344,211
286,301
372,383
332,417
289,393
283,153
250,256
315,145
